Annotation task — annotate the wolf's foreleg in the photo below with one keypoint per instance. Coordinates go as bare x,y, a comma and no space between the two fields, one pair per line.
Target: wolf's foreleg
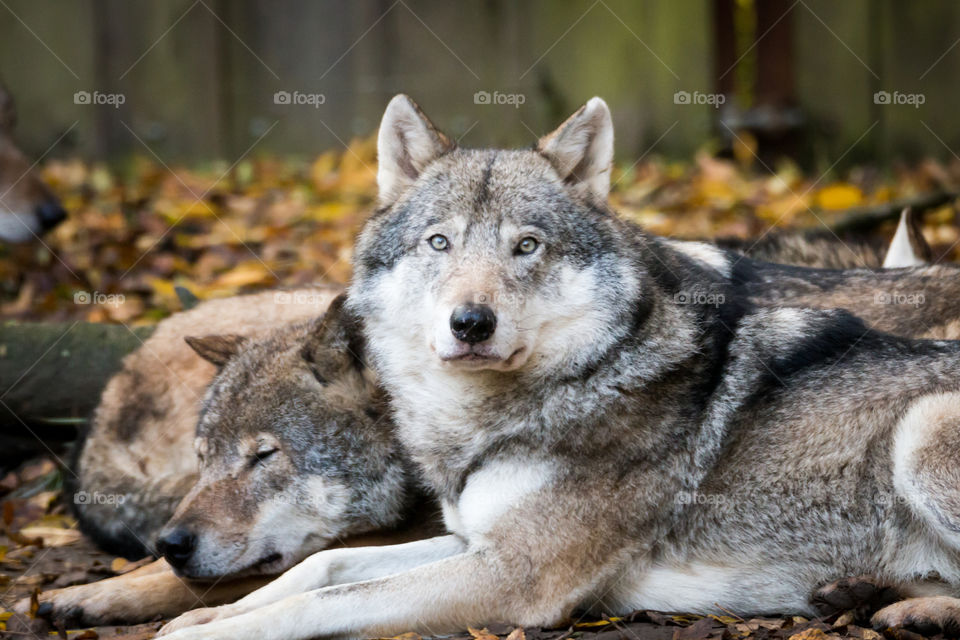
331,567
460,591
927,479
149,592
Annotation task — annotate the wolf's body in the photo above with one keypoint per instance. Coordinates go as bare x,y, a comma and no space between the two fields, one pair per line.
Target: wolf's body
610,421
818,249
27,207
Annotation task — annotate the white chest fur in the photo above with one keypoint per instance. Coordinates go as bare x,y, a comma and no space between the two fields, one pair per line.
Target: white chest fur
494,490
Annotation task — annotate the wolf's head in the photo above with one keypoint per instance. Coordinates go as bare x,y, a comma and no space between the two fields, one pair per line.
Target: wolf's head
295,451
492,259
27,206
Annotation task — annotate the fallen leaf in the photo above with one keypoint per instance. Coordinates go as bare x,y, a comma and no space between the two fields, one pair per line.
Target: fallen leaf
839,196
482,634
810,634
516,634
52,536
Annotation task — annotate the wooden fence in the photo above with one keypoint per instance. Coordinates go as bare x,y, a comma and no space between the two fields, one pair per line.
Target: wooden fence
202,79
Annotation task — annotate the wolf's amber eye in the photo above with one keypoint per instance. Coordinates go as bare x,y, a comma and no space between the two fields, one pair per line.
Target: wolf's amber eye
439,242
527,246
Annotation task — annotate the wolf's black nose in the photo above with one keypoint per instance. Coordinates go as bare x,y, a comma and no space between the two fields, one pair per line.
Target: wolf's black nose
473,323
50,214
177,547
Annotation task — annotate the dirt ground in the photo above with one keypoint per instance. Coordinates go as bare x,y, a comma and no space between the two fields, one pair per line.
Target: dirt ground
41,549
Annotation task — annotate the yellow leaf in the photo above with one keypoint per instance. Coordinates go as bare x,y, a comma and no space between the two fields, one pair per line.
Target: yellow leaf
252,272
810,634
481,634
118,564
841,195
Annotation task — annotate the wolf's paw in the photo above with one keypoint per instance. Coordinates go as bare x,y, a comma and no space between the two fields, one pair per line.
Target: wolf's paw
196,617
863,595
926,615
59,606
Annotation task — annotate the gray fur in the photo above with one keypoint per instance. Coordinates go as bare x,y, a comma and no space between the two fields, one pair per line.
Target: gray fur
786,418
300,386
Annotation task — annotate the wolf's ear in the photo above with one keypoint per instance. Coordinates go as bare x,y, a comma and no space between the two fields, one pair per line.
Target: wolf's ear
908,248
581,149
337,329
8,110
217,349
406,144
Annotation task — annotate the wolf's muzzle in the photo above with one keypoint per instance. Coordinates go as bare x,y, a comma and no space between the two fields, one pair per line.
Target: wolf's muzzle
473,323
50,214
177,547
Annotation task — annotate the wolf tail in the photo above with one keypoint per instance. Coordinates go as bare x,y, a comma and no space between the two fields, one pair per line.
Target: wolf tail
120,512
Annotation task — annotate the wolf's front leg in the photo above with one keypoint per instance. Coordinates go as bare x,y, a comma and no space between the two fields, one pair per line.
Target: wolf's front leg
468,589
325,568
139,596
935,614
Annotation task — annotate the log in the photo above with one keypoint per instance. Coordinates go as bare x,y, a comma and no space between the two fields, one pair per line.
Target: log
864,219
53,374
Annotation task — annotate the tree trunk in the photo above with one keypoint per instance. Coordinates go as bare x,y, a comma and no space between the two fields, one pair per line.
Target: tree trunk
54,373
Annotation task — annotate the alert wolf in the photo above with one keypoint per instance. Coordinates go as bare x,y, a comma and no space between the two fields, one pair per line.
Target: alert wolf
297,456
596,437
27,206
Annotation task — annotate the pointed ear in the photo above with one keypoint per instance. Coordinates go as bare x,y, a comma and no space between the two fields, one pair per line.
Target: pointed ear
406,144
8,110
337,329
581,149
217,349
908,248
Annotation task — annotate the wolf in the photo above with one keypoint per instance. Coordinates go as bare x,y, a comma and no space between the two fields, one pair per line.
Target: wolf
27,206
612,422
296,455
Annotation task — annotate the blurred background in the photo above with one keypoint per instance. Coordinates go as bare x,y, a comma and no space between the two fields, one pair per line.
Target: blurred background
197,79
217,147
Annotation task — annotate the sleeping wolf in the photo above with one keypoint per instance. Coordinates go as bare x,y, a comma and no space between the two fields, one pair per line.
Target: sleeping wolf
612,422
297,456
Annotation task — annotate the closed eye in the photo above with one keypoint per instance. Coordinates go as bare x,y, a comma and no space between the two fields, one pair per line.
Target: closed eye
260,456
